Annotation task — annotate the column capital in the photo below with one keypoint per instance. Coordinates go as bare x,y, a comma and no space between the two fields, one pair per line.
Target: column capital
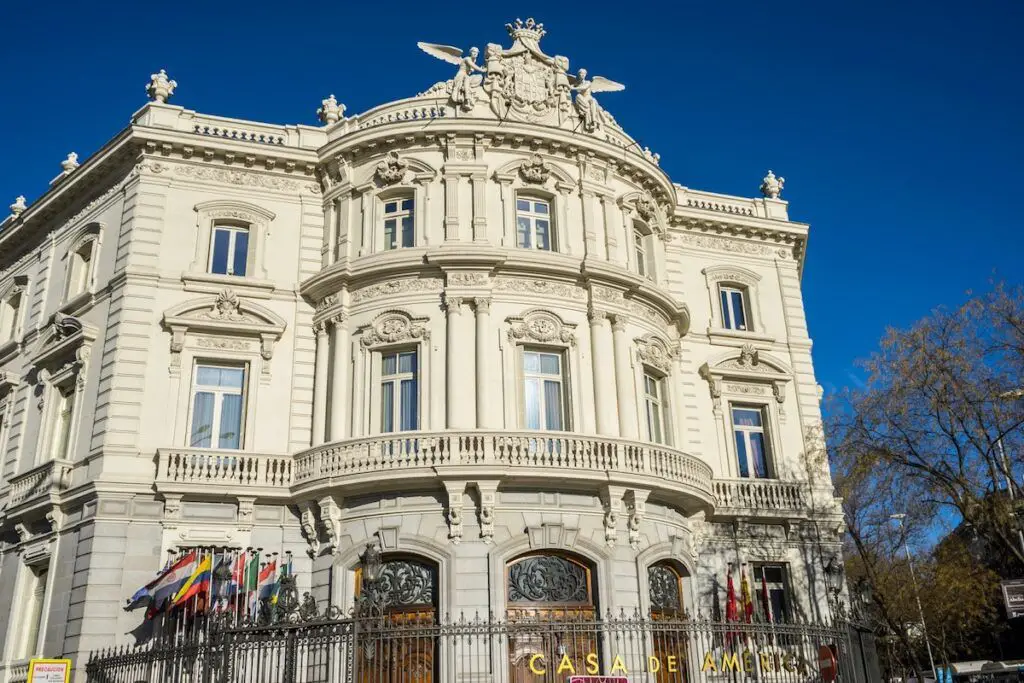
483,304
338,319
320,328
619,322
454,304
597,315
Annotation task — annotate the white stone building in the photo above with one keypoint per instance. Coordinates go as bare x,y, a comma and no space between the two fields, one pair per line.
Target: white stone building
480,325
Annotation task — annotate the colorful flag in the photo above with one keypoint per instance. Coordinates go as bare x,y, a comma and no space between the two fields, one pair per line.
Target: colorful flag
198,582
166,587
766,600
748,599
268,580
730,598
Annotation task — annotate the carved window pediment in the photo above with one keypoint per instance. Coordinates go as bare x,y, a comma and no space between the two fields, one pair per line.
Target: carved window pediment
751,368
226,314
395,327
541,326
655,352
66,339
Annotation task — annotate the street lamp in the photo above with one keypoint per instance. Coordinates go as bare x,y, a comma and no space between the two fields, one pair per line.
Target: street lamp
369,602
834,583
900,517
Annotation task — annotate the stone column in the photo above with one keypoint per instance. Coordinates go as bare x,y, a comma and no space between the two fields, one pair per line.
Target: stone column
459,393
484,363
340,391
320,383
451,207
624,382
601,355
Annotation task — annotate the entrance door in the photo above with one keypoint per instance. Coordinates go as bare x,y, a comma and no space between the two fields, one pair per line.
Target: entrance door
402,646
669,642
552,618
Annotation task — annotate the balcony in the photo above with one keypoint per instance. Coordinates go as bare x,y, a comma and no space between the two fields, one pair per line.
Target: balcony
535,458
206,471
760,498
40,484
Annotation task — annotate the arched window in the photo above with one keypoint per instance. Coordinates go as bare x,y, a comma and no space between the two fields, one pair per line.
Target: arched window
665,588
666,592
554,592
407,588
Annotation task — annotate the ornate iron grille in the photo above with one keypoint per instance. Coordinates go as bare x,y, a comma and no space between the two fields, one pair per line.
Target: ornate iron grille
548,578
664,588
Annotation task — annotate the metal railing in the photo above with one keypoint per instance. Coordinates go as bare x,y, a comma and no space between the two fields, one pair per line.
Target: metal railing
417,648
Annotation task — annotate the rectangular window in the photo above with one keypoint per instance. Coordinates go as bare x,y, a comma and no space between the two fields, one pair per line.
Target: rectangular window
544,402
654,402
229,250
399,394
9,317
80,269
398,224
533,224
63,412
218,400
34,599
734,310
640,246
751,449
772,598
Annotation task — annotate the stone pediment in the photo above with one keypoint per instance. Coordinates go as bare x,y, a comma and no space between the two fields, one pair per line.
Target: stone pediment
749,363
62,339
226,314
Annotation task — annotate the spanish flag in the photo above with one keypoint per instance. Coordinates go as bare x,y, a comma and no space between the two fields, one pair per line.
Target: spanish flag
748,599
198,583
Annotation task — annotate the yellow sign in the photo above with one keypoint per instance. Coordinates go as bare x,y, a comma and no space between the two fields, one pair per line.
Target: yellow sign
49,671
539,667
744,662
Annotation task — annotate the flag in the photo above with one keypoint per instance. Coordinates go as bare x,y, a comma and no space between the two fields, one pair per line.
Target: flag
251,581
730,598
766,600
748,599
198,582
268,580
169,582
144,595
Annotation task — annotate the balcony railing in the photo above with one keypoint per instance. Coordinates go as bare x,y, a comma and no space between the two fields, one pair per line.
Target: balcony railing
17,672
525,455
49,478
743,496
202,470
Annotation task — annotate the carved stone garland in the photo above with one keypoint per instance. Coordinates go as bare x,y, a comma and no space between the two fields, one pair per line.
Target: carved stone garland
394,327
392,169
535,170
540,326
656,353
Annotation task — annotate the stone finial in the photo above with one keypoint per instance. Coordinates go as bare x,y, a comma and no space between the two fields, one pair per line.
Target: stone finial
70,164
771,187
18,206
160,88
330,111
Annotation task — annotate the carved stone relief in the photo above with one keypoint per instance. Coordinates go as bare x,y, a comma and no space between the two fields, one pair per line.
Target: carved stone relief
540,326
394,326
545,287
394,287
392,169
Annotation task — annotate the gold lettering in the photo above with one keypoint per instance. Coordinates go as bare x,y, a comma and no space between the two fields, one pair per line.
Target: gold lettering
748,661
592,667
672,664
533,666
766,662
789,662
565,665
709,663
618,665
653,665
730,664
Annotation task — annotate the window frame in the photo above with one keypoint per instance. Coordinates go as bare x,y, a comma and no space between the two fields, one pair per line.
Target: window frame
726,292
10,316
734,277
533,216
660,401
244,393
233,228
784,586
643,251
35,584
746,430
396,380
400,197
228,212
564,386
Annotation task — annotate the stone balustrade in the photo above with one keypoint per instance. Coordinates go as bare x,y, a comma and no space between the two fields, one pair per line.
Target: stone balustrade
17,672
202,470
760,496
47,479
525,456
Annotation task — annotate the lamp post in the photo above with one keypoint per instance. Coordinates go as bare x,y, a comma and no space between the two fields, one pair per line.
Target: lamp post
900,517
834,584
370,602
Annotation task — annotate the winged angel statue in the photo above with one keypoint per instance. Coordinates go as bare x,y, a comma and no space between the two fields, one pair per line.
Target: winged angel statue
524,83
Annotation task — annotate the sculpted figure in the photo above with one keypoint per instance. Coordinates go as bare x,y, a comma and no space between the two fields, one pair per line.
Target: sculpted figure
463,91
587,107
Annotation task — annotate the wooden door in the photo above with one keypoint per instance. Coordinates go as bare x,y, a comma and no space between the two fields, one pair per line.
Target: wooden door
669,645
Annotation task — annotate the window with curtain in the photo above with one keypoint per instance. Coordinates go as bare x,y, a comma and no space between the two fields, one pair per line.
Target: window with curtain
544,402
229,250
218,393
399,230
33,599
533,224
63,412
772,597
80,268
399,395
9,312
654,403
734,308
751,443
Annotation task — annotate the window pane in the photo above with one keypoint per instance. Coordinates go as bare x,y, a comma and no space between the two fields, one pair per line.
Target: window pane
746,417
389,233
241,252
540,207
641,266
656,423
390,207
219,262
230,435
727,322
741,454
228,378
531,362
532,403
407,362
550,364
553,405
408,407
758,454
408,236
406,205
543,236
524,232
387,406
388,364
737,310
522,205
202,420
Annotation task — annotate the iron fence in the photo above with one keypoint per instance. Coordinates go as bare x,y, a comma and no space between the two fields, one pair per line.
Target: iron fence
419,648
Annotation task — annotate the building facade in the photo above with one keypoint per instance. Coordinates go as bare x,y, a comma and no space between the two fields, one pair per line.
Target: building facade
480,327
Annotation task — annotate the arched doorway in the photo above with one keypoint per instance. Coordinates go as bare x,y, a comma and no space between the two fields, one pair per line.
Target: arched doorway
666,591
399,646
552,612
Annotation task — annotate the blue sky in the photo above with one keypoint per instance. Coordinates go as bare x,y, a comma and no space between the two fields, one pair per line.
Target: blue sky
898,125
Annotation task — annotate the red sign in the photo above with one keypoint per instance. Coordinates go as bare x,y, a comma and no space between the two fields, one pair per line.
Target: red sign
827,663
598,679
